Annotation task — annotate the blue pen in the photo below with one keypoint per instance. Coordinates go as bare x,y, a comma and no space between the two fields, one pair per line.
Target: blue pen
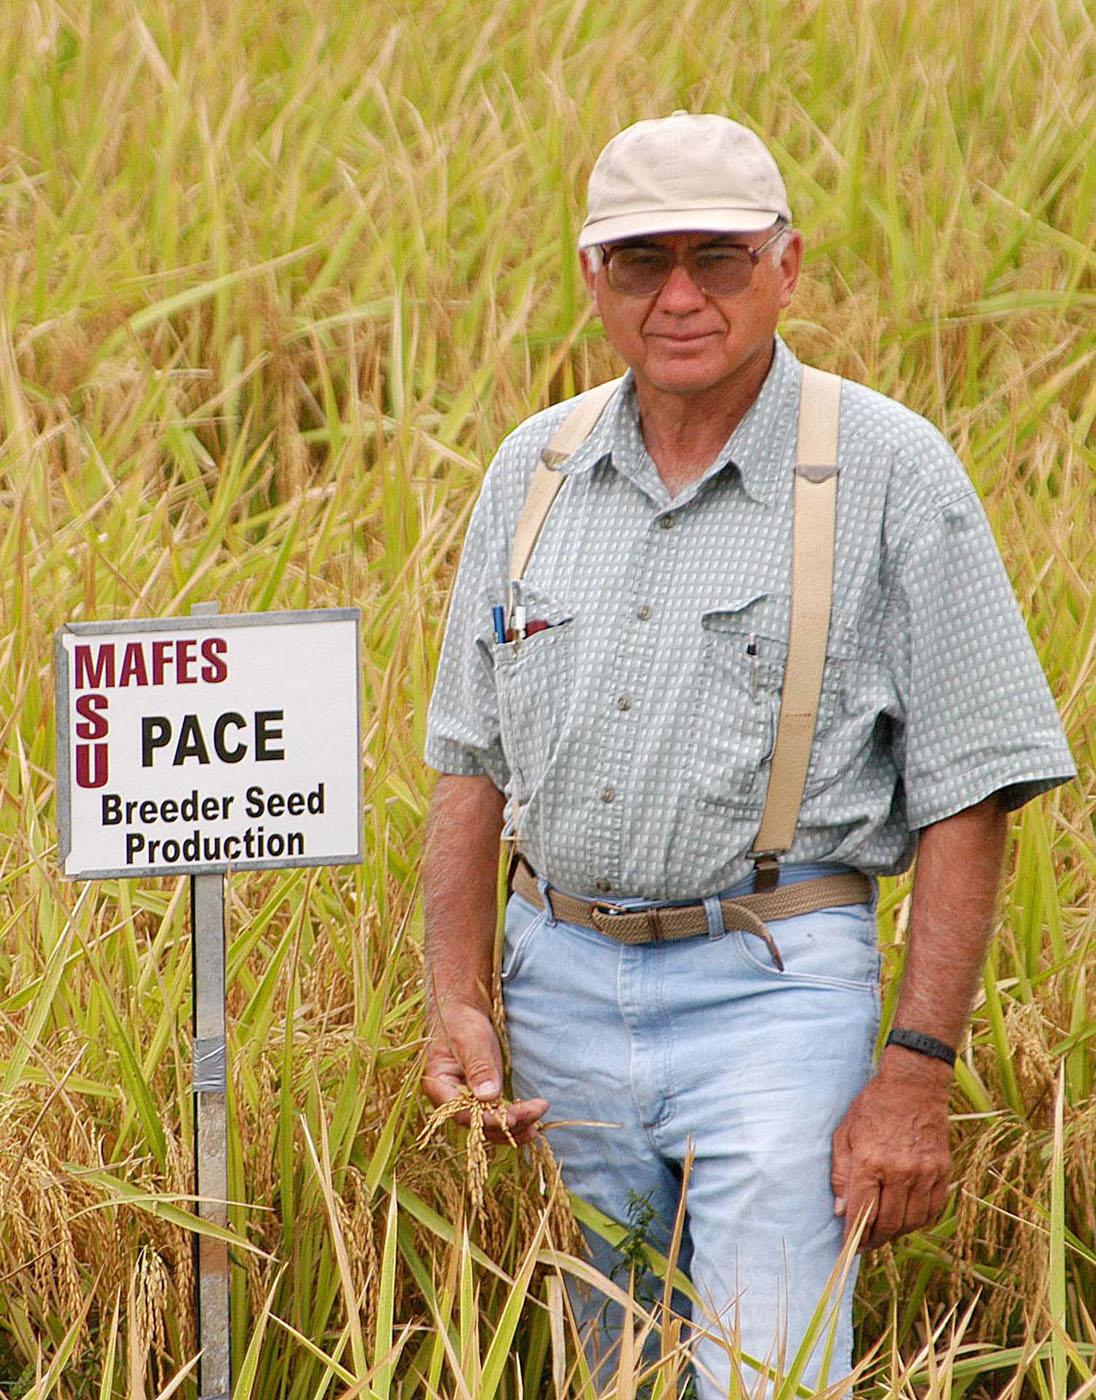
498,617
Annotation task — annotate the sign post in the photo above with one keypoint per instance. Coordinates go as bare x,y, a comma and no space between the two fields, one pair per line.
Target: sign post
207,898
207,925
198,746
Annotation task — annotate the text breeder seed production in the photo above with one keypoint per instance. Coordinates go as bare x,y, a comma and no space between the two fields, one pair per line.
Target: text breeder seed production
211,743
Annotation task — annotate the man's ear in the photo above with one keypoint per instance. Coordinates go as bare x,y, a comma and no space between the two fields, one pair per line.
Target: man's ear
791,264
589,276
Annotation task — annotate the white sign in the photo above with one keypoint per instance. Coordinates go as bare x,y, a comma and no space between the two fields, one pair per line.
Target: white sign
191,745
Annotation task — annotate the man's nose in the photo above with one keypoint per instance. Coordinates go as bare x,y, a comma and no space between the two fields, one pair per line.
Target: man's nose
679,292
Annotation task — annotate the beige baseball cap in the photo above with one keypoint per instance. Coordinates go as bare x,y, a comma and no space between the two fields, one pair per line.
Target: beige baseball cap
683,173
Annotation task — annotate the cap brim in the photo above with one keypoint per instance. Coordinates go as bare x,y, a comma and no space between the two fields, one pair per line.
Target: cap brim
620,226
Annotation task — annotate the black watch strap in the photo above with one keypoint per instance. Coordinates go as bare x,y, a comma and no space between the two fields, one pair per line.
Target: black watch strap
923,1044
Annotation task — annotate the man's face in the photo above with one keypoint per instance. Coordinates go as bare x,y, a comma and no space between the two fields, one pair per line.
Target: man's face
680,340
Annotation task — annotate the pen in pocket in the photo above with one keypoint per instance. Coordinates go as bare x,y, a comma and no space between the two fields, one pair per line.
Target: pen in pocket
538,624
521,628
517,612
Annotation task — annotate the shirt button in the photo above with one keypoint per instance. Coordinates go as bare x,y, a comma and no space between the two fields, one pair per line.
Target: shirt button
607,794
644,613
623,702
666,522
603,885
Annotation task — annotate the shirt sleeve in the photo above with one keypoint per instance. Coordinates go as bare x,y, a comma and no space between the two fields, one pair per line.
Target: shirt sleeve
462,733
977,716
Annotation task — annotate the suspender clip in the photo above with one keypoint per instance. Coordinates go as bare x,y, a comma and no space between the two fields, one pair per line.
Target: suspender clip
766,871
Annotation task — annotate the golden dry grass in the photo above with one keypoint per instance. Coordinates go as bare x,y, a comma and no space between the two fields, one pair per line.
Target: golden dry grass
274,279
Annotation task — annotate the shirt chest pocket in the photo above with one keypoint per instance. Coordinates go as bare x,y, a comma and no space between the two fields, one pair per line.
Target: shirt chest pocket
740,675
534,680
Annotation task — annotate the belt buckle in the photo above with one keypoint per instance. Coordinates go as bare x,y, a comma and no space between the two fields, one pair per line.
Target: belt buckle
650,914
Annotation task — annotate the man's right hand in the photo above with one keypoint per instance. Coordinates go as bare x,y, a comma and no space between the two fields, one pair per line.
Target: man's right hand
467,1056
460,877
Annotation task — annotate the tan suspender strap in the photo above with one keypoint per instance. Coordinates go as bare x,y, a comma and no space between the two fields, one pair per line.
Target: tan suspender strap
543,490
547,479
814,516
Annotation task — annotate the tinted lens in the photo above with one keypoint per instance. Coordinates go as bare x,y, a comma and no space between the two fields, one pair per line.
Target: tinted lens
639,271
718,272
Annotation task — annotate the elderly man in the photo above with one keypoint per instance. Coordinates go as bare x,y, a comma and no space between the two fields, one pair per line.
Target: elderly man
690,953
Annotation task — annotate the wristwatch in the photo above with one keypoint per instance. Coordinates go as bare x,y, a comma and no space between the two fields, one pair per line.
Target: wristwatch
922,1043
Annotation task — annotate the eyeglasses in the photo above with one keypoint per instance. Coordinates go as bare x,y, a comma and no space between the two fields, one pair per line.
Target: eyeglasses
721,270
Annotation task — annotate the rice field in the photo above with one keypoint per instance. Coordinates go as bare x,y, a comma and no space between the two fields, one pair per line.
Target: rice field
274,280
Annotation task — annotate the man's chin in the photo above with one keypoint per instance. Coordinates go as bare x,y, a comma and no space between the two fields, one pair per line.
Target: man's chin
682,378
689,368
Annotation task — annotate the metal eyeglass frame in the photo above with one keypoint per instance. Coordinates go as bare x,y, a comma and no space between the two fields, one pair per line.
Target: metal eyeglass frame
685,260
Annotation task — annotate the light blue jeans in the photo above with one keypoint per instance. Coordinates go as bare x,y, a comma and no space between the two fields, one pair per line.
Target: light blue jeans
703,1039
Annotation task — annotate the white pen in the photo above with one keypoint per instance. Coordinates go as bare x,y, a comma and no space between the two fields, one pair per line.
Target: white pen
517,616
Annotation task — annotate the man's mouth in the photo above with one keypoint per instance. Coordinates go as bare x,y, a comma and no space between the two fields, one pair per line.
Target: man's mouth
683,339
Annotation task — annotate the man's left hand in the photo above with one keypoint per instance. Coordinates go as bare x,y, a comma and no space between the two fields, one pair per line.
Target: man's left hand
890,1151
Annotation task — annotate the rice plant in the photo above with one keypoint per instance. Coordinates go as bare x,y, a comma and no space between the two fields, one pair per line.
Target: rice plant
274,280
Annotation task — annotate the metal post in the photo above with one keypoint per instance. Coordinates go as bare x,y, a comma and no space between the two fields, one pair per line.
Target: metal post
207,907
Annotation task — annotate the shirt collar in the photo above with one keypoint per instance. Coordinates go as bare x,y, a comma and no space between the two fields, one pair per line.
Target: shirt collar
756,448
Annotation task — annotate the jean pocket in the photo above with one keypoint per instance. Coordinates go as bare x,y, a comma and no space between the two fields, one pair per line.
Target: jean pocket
519,930
534,679
828,948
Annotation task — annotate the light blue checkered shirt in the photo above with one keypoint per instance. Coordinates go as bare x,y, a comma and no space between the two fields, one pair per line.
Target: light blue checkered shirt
634,734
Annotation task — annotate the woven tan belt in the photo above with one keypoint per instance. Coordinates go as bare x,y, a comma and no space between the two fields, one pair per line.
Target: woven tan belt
749,913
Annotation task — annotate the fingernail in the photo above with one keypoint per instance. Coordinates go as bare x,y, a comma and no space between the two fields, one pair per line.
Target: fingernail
839,1206
487,1090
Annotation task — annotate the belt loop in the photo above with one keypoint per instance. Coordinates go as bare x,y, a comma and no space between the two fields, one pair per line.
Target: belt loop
713,908
549,912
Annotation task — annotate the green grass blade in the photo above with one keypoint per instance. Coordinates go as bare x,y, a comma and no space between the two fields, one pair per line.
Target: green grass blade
382,1344
498,1353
